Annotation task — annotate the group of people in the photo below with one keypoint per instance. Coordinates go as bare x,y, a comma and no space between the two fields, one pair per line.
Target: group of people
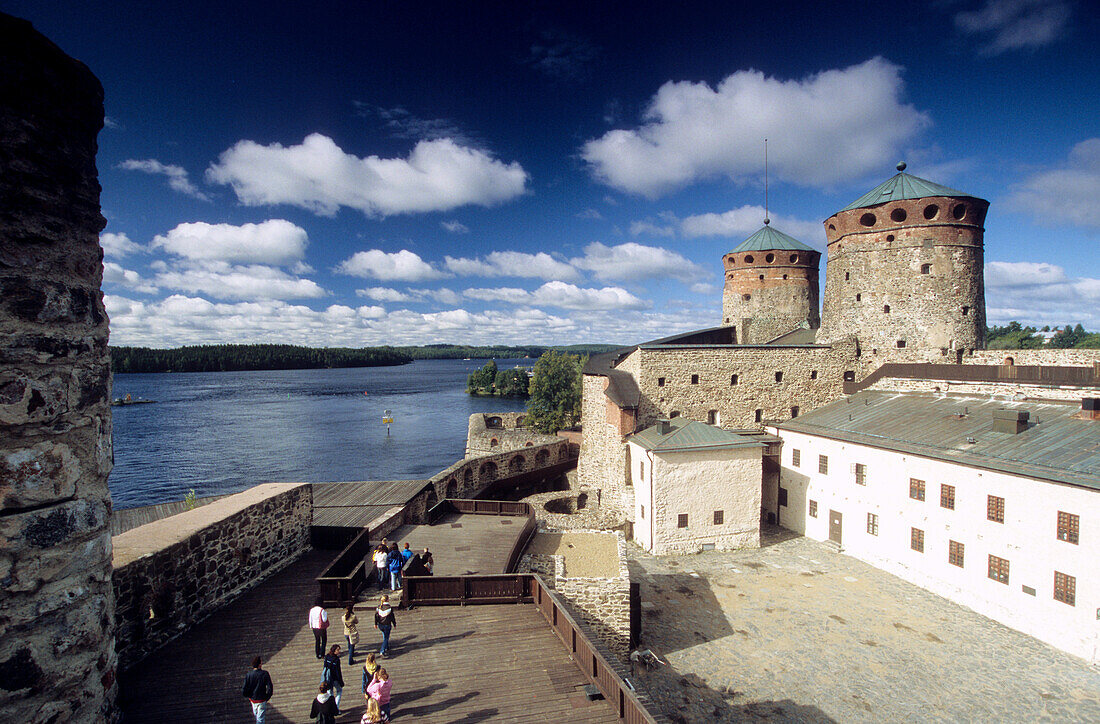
390,562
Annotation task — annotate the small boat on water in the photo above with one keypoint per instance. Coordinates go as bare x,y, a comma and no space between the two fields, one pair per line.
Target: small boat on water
129,400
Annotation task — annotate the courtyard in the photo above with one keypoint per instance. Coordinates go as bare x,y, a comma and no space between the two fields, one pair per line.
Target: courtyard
794,631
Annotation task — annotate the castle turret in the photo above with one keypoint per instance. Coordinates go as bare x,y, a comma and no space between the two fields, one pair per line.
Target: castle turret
771,286
905,268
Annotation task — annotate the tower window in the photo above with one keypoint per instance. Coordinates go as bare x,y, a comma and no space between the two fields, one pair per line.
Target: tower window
959,211
794,258
849,376
761,277
898,215
813,374
733,379
695,379
778,376
867,219
794,412
832,227
660,381
712,417
673,414
889,237
885,308
925,268
859,297
966,311
746,297
748,259
901,344
847,276
931,211
769,258
759,414
784,276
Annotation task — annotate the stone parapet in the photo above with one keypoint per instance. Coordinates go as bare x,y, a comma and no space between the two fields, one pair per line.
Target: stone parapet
172,573
497,432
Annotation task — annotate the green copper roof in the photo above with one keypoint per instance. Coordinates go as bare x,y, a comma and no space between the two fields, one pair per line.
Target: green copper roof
769,239
685,434
902,186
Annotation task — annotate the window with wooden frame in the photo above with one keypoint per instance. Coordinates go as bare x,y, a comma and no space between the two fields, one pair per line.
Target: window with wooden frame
995,509
998,569
955,552
719,517
823,464
947,497
1068,527
813,508
916,489
916,539
860,471
796,457
872,524
682,520
1065,588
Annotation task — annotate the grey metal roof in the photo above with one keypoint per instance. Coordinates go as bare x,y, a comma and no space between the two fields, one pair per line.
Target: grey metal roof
903,186
688,434
771,238
1056,446
357,505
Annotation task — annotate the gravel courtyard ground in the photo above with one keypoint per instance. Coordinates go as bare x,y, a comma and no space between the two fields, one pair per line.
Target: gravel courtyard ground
796,632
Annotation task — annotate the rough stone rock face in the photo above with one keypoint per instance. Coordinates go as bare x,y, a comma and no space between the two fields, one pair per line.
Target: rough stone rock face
769,293
57,660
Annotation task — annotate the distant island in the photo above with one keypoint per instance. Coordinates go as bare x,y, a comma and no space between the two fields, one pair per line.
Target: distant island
246,357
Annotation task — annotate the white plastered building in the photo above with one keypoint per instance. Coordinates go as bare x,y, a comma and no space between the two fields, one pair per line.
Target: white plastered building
993,504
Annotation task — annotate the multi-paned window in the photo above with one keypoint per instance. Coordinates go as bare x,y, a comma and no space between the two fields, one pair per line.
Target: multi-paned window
861,474
872,524
1068,527
823,464
916,489
947,497
916,539
682,520
955,553
719,517
1065,588
813,508
995,509
796,457
998,569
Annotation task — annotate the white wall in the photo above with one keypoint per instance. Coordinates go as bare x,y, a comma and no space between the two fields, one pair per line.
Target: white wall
643,493
1027,538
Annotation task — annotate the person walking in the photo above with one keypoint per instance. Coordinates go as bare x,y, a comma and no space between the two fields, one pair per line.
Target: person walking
324,710
370,668
331,675
384,621
381,555
351,631
258,690
395,563
318,622
379,690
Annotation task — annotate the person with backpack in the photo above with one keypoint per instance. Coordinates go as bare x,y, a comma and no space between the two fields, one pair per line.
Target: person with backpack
258,690
331,675
395,563
318,622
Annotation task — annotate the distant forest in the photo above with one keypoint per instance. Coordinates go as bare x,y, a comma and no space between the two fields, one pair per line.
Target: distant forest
236,357
1016,336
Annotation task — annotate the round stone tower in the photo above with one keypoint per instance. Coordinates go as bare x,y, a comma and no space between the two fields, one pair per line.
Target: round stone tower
771,286
905,269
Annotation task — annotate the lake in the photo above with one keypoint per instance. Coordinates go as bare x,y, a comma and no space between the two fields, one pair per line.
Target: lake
223,432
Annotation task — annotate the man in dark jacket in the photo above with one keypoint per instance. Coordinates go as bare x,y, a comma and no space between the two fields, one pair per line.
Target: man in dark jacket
258,690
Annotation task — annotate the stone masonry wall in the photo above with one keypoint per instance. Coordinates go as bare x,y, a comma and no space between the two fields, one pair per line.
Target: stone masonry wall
1003,390
602,464
172,573
57,660
498,432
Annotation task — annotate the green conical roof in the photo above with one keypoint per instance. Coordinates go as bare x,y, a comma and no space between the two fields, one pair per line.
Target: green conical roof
903,186
769,239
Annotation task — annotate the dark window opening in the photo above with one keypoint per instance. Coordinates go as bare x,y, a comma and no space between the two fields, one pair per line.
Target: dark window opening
925,268
759,415
682,520
746,298
859,297
867,219
778,376
769,258
794,412
885,308
847,276
660,381
898,215
966,311
849,376
673,414
719,517
813,374
930,211
695,379
748,259
733,379
901,344
783,497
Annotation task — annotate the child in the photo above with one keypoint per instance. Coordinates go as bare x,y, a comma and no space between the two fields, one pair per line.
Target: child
373,714
324,707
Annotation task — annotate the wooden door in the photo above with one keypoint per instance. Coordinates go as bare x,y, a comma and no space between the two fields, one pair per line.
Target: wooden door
835,520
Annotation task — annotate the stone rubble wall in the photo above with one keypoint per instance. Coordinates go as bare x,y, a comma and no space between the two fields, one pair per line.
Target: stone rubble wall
174,572
1004,390
468,477
509,434
602,603
57,658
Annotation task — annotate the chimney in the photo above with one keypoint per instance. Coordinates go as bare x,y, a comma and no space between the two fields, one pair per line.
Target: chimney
1011,421
1090,408
664,427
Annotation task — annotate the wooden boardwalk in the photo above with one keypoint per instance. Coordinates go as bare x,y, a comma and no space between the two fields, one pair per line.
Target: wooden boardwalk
497,663
464,544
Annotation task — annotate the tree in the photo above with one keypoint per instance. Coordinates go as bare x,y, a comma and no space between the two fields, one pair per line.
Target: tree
555,392
481,382
512,383
1066,337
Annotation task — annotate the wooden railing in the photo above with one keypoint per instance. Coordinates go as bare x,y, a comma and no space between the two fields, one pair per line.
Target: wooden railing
347,574
464,590
1033,374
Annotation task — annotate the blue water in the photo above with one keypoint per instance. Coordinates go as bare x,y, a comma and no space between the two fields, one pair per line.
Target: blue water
222,432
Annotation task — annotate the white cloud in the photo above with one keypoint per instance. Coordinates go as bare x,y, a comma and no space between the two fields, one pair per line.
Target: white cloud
510,295
513,264
177,175
1016,24
383,294
746,220
1040,293
634,262
115,274
455,227
1067,194
702,288
648,228
272,242
443,296
565,296
402,266
317,175
240,282
118,245
830,127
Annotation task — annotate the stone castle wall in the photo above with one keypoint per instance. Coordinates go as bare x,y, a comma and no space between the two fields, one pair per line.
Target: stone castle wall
172,573
769,293
496,432
468,477
57,659
896,276
602,464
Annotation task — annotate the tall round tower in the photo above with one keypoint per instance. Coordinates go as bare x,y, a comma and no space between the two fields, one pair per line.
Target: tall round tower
771,286
905,268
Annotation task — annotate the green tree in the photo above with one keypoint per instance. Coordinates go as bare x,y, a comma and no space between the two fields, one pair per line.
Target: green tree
1066,337
555,392
481,382
511,383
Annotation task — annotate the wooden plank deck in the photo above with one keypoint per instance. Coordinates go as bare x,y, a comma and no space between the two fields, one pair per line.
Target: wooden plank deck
449,664
464,544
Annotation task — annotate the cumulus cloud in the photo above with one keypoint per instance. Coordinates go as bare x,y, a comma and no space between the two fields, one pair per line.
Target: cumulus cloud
275,241
317,175
1040,293
115,274
443,295
455,227
383,294
513,264
118,245
1016,24
830,127
565,296
225,281
177,175
404,266
746,220
648,228
635,262
1067,194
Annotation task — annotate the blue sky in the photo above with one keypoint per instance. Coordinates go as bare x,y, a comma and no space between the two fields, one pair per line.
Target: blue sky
345,173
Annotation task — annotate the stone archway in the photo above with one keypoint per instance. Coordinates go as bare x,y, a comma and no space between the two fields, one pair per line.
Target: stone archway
452,488
516,465
542,457
487,473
